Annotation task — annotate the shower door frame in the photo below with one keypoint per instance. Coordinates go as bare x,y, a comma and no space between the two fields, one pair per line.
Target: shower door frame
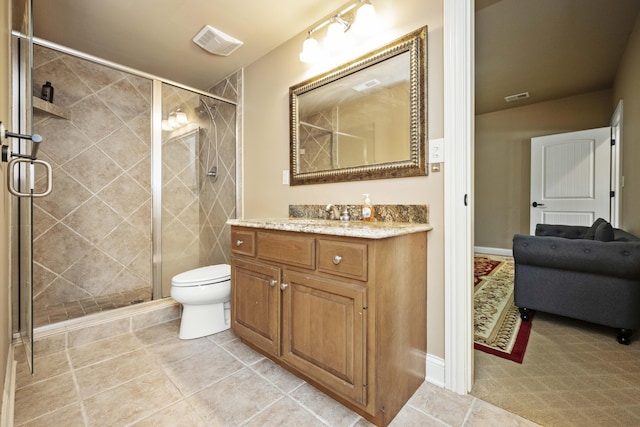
156,149
22,207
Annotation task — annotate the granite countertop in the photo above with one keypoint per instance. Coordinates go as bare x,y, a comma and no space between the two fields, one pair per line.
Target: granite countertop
367,230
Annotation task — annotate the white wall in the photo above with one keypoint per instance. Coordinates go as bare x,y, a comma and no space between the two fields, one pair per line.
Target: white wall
266,142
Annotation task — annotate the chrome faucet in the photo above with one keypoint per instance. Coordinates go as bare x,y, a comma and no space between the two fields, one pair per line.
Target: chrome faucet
332,210
334,213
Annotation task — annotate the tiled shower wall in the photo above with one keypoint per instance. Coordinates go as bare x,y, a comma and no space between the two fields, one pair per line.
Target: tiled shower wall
92,234
196,206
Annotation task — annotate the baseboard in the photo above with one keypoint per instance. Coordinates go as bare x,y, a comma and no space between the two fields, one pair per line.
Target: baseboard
435,370
9,392
493,251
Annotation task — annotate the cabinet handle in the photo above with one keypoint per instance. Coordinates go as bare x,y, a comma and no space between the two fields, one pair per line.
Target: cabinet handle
337,259
283,286
273,282
239,242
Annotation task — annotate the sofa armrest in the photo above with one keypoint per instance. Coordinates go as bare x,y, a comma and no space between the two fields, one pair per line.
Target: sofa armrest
566,231
617,259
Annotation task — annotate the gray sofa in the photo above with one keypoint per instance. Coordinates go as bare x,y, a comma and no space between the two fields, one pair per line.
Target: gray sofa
559,271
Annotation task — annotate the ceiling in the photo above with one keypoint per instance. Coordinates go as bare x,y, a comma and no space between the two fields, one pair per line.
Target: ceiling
550,48
155,36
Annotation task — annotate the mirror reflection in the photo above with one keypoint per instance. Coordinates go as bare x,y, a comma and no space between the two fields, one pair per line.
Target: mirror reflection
348,122
364,120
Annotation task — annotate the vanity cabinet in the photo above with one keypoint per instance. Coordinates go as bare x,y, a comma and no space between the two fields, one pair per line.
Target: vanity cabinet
347,314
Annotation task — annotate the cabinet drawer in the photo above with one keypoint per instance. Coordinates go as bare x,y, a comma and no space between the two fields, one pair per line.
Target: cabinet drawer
343,258
243,242
288,249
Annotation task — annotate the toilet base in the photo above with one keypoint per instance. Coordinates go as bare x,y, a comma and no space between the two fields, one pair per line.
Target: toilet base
202,320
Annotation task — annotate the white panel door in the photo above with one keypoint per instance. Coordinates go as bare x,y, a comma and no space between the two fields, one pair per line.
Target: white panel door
570,175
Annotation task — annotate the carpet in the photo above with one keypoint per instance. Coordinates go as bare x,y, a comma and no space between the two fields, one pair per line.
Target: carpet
498,329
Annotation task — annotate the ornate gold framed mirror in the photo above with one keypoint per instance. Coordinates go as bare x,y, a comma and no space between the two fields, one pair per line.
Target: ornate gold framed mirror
363,120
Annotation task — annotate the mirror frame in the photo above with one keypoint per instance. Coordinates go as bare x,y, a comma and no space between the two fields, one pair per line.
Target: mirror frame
416,44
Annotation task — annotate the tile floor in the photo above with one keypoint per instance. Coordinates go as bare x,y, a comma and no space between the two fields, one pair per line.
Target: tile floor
149,377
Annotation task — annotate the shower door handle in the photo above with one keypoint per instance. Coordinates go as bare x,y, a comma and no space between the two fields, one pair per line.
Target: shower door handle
31,163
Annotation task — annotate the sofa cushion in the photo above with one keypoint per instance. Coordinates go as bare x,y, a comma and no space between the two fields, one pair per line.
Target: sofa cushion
591,232
604,232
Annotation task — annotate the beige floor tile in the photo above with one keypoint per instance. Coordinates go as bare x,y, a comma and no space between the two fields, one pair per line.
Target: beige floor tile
66,416
43,397
51,344
247,355
194,373
484,414
175,349
285,413
223,337
364,423
277,375
410,417
45,367
100,376
157,333
332,412
234,399
102,350
131,401
443,404
179,414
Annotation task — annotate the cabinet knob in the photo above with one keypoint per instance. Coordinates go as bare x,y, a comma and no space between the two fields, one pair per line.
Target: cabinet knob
273,282
283,286
337,259
239,242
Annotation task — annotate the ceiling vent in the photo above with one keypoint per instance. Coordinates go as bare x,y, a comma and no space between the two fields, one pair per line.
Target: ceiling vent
516,97
367,85
215,41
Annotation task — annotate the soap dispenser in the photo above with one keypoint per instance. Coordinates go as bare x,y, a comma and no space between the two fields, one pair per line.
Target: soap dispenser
367,209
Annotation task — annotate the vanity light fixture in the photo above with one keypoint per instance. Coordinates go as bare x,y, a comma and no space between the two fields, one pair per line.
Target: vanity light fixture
337,32
175,120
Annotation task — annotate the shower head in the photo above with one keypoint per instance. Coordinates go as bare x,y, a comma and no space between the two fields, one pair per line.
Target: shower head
203,109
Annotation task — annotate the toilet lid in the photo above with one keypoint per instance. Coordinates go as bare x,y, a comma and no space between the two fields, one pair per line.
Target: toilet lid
203,275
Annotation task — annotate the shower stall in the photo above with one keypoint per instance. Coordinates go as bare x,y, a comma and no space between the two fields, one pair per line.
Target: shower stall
144,180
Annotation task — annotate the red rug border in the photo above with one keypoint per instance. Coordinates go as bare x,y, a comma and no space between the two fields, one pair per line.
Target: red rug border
519,348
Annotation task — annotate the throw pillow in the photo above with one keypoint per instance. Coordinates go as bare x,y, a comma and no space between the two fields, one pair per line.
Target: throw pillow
591,232
604,233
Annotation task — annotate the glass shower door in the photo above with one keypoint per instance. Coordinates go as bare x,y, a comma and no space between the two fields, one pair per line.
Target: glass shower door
22,207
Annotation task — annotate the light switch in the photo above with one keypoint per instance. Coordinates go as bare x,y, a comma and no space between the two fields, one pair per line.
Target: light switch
285,177
436,150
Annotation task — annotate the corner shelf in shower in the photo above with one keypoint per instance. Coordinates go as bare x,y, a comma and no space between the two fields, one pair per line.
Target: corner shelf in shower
51,109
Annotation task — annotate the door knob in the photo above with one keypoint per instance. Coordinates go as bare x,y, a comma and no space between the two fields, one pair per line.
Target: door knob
536,204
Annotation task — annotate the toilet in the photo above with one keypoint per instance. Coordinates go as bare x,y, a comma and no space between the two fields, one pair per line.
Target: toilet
204,294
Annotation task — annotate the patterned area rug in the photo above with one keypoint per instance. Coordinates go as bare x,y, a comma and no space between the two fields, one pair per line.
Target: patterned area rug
498,329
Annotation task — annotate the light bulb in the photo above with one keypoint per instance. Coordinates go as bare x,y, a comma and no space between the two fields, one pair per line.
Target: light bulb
166,126
365,21
173,122
310,50
335,36
181,117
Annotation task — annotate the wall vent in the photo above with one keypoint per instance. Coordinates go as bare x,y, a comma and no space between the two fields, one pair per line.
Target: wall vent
516,97
215,41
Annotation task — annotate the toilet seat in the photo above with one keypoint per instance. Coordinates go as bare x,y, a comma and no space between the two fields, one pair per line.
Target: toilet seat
203,276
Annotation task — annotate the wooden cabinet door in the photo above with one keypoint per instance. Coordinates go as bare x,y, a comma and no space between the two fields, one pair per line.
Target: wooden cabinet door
255,304
324,332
